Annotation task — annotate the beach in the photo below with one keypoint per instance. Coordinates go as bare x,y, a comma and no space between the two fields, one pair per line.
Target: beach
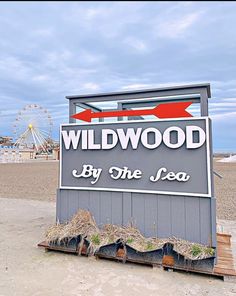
27,209
26,270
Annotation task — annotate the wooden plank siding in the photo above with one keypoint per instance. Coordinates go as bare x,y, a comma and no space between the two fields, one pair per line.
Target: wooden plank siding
154,215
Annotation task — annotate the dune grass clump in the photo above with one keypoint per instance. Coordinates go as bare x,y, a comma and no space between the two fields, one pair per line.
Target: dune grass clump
53,233
192,251
130,240
196,250
131,236
82,223
95,239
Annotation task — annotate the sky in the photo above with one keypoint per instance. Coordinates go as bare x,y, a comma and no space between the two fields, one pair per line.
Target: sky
52,49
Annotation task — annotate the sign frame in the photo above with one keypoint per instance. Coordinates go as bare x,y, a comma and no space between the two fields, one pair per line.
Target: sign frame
209,178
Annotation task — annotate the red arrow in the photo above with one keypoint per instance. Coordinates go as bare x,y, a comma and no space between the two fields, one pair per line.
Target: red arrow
168,110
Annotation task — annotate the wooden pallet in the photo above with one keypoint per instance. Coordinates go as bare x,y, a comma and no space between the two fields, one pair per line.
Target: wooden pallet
224,267
47,247
225,261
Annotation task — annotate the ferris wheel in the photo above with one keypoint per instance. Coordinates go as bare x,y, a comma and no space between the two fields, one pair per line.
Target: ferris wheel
33,128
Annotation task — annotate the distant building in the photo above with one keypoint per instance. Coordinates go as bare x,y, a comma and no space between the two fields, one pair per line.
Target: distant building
6,141
13,154
56,153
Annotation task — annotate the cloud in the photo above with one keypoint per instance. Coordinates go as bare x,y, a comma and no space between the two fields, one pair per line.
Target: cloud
13,67
225,116
177,27
107,21
136,86
229,100
43,32
92,13
136,44
90,86
224,104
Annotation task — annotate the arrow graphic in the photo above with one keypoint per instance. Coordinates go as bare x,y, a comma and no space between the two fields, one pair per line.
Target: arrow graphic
167,110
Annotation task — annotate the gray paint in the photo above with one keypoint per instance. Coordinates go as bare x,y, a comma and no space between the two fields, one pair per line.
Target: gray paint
149,161
155,215
146,93
153,102
213,219
165,94
72,110
204,103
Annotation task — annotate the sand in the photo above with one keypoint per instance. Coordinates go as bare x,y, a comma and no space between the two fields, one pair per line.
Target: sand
34,180
26,270
39,181
225,190
27,208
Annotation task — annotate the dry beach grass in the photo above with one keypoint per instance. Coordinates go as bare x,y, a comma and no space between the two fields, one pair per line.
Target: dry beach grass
83,224
39,181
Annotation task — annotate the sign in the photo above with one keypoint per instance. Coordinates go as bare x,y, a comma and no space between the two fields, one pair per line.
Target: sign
169,156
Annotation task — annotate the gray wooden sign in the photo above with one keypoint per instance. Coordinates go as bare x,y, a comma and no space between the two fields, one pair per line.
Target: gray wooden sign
156,174
164,156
